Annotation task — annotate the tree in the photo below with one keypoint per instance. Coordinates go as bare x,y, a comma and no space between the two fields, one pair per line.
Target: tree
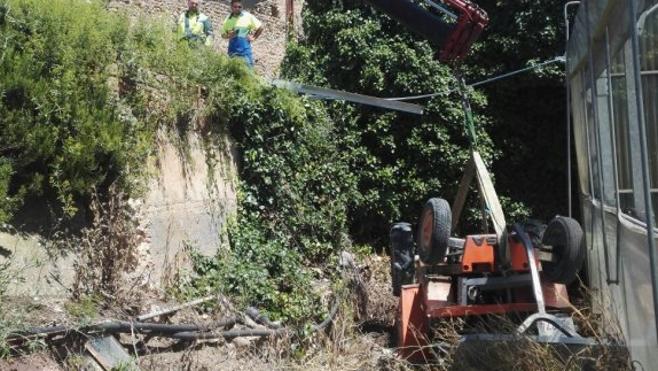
400,159
528,110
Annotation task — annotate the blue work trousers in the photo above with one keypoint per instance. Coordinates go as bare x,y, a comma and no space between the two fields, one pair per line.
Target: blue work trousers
241,47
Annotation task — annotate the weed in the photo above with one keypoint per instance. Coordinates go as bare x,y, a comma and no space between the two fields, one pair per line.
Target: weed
84,308
107,249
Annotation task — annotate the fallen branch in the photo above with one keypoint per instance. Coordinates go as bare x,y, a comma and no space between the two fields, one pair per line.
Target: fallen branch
162,312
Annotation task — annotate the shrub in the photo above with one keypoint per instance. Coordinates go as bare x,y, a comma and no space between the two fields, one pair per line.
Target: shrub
400,160
82,94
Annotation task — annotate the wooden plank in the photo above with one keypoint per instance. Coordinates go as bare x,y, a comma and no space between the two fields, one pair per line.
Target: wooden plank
462,193
488,192
109,353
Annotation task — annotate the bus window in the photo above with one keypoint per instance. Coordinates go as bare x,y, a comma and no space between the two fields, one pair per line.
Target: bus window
648,24
579,132
621,128
604,121
591,135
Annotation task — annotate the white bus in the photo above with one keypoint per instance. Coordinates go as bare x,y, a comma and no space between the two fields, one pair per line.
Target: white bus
612,75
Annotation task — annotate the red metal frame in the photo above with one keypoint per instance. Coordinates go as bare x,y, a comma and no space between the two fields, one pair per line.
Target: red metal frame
435,296
478,254
472,20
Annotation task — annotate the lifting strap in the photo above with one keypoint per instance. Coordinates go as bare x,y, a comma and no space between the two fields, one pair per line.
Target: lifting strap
476,168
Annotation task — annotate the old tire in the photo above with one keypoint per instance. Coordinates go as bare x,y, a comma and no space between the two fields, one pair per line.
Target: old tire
434,231
566,237
402,256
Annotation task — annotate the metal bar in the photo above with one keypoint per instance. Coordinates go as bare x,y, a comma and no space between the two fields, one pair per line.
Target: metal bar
642,73
635,44
534,272
456,243
615,164
442,8
597,143
568,113
332,94
546,256
567,81
498,283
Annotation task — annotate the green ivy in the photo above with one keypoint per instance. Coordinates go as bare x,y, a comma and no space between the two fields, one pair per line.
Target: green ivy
83,93
399,160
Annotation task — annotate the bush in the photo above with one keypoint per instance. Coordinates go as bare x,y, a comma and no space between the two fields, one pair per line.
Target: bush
399,160
83,93
61,132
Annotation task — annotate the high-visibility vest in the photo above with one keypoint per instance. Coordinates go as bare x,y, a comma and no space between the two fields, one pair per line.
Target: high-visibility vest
243,25
195,26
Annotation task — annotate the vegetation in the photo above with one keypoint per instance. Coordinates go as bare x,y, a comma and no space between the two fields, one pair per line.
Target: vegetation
83,92
401,160
530,132
61,132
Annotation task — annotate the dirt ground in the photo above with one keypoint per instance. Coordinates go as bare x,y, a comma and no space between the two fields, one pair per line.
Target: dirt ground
356,340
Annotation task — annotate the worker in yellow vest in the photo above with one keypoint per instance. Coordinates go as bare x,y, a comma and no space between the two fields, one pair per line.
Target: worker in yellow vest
241,29
194,26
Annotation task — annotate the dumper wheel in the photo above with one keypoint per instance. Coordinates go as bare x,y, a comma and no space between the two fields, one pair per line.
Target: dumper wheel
402,256
434,231
565,236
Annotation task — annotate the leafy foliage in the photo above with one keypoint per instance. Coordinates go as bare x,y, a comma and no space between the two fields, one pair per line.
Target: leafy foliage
83,93
531,131
400,159
60,130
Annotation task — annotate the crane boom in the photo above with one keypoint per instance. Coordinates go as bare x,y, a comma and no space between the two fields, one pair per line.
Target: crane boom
453,39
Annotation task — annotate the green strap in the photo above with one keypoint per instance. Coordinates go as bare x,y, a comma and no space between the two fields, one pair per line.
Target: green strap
469,125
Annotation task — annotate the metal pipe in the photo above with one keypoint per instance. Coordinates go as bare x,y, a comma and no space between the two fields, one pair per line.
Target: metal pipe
599,149
567,82
635,44
534,272
599,152
613,134
158,313
442,9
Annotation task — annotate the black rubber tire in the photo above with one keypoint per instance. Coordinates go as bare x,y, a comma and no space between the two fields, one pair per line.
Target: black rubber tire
565,235
434,231
402,242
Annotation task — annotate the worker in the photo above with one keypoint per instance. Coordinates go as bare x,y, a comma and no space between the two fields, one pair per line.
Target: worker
241,29
194,26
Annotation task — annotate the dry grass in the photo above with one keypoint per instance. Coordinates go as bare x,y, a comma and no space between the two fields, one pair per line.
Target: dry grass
361,335
107,253
520,352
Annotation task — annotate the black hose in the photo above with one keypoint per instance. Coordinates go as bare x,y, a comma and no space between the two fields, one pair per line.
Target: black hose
254,314
143,327
121,327
332,314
